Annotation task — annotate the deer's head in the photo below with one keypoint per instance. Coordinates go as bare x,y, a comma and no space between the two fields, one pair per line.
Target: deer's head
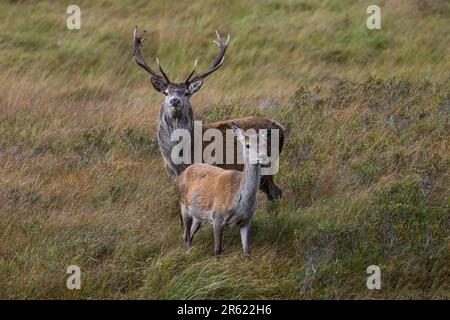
177,95
253,145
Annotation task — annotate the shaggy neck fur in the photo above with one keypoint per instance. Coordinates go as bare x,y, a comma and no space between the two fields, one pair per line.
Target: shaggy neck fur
167,124
249,187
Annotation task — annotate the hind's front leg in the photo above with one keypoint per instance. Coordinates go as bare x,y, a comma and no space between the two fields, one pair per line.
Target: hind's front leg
218,230
245,239
196,224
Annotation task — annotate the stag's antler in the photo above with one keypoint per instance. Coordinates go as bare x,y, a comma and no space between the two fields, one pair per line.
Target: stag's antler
217,63
192,73
137,43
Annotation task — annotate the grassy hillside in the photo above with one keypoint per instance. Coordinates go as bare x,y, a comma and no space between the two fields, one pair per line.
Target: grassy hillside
365,171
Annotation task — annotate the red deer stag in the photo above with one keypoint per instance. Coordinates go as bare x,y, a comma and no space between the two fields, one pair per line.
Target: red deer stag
176,113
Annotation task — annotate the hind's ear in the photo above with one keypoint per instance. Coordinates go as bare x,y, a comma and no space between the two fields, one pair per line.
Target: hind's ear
234,126
158,84
195,86
238,132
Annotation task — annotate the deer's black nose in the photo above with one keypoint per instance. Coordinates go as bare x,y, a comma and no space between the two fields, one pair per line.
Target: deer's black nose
175,102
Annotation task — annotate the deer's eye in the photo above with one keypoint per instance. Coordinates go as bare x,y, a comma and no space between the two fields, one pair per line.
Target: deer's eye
186,93
247,146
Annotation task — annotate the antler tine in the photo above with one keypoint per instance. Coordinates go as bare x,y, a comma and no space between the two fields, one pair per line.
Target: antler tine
137,43
162,71
192,73
219,40
220,58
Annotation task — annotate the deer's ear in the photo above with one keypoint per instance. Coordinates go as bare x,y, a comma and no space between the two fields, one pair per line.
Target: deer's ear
195,86
238,132
158,84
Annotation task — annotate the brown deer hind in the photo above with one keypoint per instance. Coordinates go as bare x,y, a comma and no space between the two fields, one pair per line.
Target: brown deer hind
176,113
209,194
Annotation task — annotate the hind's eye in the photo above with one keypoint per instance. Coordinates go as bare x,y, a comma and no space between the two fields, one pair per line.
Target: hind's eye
186,93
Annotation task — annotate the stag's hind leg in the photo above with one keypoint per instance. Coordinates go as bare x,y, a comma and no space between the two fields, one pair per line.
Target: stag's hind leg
268,186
